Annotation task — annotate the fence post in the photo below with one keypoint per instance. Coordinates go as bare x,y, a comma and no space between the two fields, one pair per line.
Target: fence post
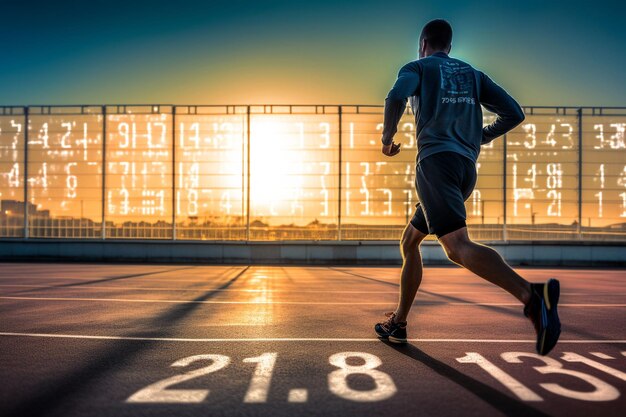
248,174
339,182
104,169
26,125
580,172
173,172
504,159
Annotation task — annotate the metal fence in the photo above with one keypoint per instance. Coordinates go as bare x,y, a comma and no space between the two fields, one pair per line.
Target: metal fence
289,172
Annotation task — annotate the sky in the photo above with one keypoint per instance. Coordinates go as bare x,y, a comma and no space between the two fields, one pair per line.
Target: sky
551,53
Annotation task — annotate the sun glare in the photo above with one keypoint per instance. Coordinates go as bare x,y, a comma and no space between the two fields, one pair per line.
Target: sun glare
275,168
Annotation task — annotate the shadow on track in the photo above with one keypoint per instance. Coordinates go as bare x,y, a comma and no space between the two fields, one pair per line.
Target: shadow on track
502,402
55,393
98,281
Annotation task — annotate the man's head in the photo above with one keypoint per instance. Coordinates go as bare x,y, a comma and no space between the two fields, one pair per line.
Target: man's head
436,36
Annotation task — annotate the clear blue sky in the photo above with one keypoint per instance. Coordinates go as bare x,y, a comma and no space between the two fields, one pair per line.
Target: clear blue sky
246,52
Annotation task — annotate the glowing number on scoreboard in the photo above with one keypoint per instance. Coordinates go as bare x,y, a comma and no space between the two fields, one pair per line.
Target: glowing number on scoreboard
84,141
408,129
554,181
568,135
324,190
601,175
363,190
72,180
125,204
555,176
554,209
408,202
600,128
550,136
533,176
325,134
14,176
64,143
18,128
617,140
192,202
225,203
195,127
43,137
519,193
531,133
124,130
599,194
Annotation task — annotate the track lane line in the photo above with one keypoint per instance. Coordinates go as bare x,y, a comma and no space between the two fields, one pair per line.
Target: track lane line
139,300
293,339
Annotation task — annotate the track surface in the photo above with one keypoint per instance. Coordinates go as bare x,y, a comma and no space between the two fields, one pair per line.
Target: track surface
121,340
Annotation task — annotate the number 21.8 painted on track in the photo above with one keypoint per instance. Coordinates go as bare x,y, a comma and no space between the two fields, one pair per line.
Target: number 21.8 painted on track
260,383
384,387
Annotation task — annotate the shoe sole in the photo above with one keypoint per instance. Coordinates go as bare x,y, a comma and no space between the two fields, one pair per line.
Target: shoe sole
551,292
391,339
397,340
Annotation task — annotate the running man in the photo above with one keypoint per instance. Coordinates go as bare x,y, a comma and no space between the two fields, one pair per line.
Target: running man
446,95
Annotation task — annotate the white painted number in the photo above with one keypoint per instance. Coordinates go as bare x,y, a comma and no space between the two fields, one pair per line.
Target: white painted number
338,379
574,357
158,392
260,383
524,393
602,391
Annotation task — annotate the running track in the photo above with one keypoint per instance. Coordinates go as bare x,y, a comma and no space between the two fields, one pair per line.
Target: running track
176,340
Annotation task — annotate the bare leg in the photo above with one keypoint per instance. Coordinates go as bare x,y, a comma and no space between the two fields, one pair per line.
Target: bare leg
411,275
484,262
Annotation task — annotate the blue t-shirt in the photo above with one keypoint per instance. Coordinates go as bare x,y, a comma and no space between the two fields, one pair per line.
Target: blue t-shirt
446,95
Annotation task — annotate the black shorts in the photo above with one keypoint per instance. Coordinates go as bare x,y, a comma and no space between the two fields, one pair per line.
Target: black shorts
444,181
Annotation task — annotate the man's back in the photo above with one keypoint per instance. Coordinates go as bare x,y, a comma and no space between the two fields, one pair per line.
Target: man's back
446,96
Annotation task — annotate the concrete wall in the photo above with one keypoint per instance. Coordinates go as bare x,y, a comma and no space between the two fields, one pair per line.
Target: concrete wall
357,253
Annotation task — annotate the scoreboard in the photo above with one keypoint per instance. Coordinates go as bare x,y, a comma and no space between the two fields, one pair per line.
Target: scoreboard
294,172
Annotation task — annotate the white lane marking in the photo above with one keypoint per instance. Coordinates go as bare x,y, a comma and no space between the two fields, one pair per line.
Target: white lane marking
298,395
141,300
422,293
296,339
127,300
107,287
601,355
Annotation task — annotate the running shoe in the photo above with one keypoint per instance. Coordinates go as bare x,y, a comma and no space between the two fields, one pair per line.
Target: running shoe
390,330
541,310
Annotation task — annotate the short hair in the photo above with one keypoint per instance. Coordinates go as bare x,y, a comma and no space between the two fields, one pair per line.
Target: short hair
438,34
